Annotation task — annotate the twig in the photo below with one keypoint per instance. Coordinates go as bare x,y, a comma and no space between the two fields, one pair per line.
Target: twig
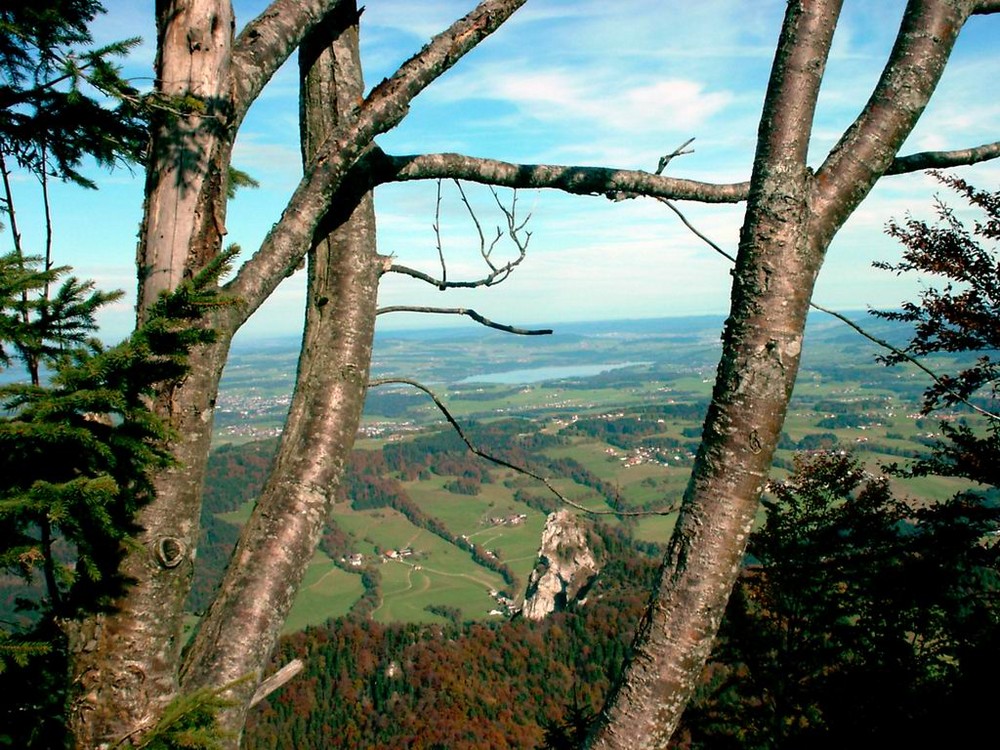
276,680
489,280
513,228
909,358
437,237
479,229
470,313
844,319
506,464
497,274
669,204
679,151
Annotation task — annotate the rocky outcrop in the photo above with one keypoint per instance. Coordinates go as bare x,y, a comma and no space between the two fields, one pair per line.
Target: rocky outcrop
565,569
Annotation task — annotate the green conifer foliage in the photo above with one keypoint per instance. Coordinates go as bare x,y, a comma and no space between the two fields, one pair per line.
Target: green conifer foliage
63,99
866,615
76,453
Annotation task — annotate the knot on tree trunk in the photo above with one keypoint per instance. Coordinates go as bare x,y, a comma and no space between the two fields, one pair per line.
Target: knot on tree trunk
170,551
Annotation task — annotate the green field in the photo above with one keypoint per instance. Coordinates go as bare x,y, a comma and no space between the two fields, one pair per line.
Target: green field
326,592
866,409
409,589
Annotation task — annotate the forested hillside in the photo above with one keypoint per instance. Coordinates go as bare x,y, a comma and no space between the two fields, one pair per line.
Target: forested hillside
859,613
860,589
468,685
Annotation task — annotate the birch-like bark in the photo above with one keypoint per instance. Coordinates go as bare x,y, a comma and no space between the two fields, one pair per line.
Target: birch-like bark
791,218
274,550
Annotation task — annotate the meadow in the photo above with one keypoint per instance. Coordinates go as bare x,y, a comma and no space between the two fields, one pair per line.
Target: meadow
598,449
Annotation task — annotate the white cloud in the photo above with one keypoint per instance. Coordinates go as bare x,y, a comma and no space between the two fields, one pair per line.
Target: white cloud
254,155
679,104
585,99
588,82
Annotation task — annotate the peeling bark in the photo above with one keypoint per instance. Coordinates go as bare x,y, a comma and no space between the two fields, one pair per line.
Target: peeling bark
185,187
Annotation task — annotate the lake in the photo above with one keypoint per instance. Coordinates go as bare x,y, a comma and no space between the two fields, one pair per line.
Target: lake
540,374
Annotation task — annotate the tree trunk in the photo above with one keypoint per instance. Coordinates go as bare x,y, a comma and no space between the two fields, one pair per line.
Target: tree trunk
185,207
281,536
124,663
791,219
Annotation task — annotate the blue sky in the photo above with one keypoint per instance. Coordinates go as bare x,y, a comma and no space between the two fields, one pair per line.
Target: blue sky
572,82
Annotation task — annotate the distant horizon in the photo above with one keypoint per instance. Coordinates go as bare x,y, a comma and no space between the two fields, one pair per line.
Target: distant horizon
581,83
470,328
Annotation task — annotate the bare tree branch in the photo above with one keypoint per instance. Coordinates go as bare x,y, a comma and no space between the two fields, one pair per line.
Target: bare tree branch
514,226
867,149
383,109
679,151
844,319
944,159
497,274
437,238
613,183
904,355
483,251
506,464
694,230
441,283
266,42
469,313
276,680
